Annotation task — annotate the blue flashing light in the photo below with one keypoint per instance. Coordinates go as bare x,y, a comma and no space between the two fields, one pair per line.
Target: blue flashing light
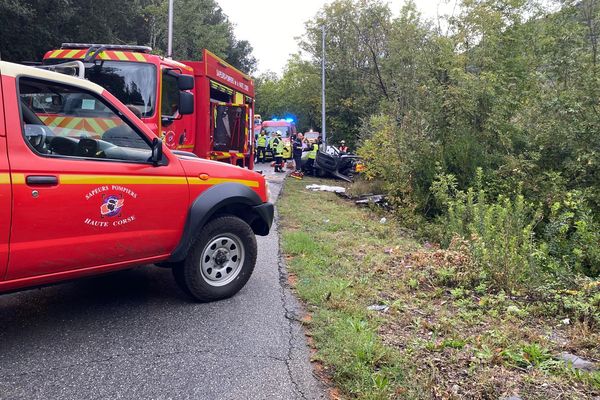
289,120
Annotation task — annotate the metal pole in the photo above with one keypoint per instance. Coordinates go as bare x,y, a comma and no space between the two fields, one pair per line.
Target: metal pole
324,134
170,31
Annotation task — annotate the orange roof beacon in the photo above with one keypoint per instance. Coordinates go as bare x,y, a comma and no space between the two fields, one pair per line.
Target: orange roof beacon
204,107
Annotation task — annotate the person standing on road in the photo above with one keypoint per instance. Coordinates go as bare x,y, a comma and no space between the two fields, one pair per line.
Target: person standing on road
312,155
270,142
261,147
297,155
343,148
277,146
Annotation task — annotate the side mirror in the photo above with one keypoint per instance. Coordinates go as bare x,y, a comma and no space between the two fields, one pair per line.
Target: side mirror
157,152
186,103
184,82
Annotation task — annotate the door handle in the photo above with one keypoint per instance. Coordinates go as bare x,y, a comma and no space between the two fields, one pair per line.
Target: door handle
44,180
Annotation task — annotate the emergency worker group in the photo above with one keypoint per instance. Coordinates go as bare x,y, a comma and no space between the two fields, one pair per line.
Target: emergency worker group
275,147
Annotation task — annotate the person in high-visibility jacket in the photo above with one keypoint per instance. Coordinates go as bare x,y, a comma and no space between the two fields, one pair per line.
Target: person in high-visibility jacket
261,147
270,147
312,155
277,145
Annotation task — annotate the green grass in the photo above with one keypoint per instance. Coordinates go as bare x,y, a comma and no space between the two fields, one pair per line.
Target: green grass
324,236
436,335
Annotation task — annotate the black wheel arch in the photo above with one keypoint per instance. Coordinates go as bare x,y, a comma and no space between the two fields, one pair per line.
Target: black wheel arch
224,199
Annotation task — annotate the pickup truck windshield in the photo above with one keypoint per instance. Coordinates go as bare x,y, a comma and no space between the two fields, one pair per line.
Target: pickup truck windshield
133,83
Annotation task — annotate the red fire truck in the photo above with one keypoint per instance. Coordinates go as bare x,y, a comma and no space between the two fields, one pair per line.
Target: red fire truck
204,107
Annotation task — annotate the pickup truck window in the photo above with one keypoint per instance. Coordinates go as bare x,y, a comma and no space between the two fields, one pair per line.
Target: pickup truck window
67,121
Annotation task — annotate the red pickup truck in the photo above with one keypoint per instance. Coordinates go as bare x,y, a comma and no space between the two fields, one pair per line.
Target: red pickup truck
86,188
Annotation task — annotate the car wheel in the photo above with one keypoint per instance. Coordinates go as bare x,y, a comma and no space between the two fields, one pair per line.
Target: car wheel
219,262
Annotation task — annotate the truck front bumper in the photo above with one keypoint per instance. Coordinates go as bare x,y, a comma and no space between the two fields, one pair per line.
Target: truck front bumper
262,224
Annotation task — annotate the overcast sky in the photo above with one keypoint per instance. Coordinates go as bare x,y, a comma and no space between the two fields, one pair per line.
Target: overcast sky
271,25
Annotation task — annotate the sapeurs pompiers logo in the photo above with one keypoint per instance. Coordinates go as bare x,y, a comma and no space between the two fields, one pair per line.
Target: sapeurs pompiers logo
112,206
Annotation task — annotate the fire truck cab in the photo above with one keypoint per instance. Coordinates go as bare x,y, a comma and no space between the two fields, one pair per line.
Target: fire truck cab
203,107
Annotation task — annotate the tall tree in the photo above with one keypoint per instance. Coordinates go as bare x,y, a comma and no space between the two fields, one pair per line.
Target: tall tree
26,31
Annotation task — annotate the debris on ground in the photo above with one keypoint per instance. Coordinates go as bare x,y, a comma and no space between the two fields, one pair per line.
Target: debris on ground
370,199
383,220
577,362
326,188
378,307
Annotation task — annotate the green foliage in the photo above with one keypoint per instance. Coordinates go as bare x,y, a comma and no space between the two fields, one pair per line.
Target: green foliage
32,27
573,236
500,233
527,355
488,126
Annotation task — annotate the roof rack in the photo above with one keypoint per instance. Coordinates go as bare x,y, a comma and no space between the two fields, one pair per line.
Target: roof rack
72,68
122,47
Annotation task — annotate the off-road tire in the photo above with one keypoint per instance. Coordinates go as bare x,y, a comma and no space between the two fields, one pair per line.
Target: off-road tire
191,275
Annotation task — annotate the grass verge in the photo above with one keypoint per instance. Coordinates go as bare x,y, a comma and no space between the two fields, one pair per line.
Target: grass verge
435,339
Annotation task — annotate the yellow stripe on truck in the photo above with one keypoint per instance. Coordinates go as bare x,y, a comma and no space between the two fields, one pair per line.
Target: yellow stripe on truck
121,180
130,180
216,181
71,53
139,57
121,56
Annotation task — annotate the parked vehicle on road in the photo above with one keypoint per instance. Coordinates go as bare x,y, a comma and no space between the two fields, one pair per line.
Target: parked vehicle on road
174,98
103,193
311,136
287,128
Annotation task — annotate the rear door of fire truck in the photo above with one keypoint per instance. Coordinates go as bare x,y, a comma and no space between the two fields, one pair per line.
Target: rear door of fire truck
230,131
5,192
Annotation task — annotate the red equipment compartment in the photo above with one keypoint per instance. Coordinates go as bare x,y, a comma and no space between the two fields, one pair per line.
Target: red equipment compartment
218,84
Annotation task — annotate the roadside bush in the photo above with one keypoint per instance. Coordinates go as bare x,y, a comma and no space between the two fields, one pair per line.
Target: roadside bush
513,246
572,235
500,234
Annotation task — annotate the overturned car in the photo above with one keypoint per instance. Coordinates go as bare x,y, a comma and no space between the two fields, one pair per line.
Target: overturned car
335,163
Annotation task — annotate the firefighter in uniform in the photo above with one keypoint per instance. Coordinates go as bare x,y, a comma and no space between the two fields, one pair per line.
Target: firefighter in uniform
343,148
297,155
270,147
261,147
277,146
312,155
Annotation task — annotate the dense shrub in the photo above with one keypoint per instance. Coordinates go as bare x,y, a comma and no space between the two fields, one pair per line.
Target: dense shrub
514,247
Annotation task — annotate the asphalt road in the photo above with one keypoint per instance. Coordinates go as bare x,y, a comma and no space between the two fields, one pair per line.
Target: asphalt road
134,335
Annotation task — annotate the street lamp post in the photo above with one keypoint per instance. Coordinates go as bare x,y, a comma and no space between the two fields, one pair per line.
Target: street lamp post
170,31
324,130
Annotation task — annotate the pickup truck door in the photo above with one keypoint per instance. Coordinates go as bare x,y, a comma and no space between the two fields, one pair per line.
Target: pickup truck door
85,194
5,192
